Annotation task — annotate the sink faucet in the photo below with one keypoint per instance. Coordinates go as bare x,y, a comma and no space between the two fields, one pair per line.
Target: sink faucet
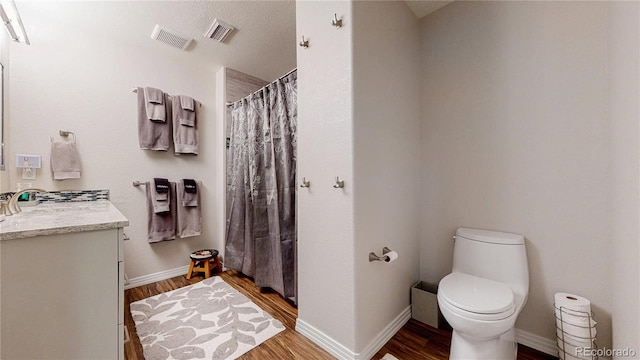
12,206
4,203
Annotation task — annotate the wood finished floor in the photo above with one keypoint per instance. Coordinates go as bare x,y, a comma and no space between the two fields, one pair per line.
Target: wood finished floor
414,341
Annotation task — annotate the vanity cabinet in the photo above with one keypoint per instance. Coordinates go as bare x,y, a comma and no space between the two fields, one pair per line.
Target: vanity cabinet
63,295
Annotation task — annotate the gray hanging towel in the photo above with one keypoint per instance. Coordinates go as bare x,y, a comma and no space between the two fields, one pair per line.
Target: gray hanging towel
190,194
160,197
189,209
185,125
152,135
154,104
65,161
187,104
161,226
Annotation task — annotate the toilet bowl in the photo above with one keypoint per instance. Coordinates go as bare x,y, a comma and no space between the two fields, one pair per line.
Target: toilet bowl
483,296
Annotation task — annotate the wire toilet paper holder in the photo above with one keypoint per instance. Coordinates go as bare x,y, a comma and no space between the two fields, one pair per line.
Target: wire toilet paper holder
561,335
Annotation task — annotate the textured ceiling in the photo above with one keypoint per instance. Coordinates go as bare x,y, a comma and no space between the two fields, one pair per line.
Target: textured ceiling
263,44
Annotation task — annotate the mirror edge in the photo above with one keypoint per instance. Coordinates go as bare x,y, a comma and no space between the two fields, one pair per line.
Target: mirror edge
2,118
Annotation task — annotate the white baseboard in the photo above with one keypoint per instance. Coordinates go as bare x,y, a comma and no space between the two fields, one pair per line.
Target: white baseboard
537,342
324,341
151,278
385,335
340,351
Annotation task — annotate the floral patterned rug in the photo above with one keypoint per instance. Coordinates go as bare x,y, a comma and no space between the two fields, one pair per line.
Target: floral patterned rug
209,319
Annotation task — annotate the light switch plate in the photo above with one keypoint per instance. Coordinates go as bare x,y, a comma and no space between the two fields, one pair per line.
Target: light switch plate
28,161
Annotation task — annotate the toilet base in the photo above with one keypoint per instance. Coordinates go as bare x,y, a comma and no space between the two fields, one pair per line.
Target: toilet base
501,348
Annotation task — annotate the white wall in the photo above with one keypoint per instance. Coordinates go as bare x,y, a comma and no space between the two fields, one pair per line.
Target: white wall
386,122
4,59
515,138
4,175
624,82
220,184
359,120
326,278
70,79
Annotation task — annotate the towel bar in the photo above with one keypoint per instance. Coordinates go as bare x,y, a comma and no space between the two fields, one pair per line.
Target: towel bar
137,183
135,90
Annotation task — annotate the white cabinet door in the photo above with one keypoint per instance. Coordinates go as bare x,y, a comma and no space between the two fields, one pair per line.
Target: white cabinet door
59,296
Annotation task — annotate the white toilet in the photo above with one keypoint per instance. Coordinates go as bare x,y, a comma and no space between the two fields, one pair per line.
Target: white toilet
484,293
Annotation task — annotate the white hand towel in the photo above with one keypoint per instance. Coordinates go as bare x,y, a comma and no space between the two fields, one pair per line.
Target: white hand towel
154,104
65,161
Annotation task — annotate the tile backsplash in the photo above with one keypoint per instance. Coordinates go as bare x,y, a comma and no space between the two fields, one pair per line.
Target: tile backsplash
73,195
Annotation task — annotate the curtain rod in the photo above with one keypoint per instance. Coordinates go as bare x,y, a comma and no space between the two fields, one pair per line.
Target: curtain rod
276,80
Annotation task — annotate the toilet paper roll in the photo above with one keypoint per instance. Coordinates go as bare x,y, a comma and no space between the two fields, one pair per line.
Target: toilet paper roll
570,348
573,309
583,341
575,327
391,256
577,319
582,330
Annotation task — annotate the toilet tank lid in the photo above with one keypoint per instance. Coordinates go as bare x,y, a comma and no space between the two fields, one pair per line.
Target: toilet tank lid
494,237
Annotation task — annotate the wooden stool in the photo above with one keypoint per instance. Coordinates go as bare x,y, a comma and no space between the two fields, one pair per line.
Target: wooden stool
204,261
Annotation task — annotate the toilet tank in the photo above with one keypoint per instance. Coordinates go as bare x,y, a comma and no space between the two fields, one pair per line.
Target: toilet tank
492,255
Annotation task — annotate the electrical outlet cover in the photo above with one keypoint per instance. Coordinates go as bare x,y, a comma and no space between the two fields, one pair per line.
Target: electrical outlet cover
28,173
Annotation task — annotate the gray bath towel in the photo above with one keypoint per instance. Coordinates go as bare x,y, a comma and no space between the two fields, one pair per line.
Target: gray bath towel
161,200
152,135
154,104
65,161
187,103
185,127
189,211
161,226
190,192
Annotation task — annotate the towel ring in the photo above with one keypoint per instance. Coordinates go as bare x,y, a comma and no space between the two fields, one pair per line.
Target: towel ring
65,133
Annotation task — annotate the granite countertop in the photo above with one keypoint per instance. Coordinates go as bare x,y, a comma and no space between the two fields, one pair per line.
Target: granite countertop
62,218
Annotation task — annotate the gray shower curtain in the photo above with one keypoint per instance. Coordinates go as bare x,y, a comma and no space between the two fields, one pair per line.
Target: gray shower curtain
261,172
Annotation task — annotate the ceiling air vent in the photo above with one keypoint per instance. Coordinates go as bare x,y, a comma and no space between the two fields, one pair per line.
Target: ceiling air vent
170,37
219,30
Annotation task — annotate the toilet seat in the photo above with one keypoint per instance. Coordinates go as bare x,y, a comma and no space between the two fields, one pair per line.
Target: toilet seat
477,298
